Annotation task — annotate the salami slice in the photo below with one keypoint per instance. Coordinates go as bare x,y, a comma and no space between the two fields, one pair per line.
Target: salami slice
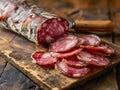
103,48
101,53
98,48
32,22
43,58
93,59
64,44
91,40
74,61
107,48
81,41
72,52
71,71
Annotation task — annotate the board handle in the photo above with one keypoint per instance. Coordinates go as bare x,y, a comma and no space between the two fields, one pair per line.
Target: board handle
93,25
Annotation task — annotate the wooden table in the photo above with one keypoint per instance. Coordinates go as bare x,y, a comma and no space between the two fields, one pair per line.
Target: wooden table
11,78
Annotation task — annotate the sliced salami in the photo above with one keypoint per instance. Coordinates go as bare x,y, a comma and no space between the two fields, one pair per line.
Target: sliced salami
71,71
81,41
32,22
101,53
93,59
102,49
64,44
107,48
74,61
91,40
43,58
97,48
72,52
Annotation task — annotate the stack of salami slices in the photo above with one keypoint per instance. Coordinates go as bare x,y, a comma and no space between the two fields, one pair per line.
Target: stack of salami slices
73,55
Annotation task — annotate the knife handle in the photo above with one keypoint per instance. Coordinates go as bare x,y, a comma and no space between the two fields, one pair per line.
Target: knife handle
93,25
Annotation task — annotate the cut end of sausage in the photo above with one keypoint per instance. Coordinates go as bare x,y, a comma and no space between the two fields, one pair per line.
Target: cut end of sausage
52,29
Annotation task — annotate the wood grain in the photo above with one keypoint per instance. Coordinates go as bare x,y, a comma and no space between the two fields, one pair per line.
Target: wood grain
2,65
13,79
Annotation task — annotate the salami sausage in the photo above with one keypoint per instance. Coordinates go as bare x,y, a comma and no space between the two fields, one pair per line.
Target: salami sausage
71,71
74,61
91,40
107,48
32,22
102,49
6,9
81,41
64,44
72,52
43,58
93,59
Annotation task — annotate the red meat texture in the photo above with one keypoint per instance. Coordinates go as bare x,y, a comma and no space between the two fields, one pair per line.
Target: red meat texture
73,55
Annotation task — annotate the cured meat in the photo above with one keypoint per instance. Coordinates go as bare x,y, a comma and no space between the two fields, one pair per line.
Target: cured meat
5,12
99,53
107,48
74,61
98,48
32,22
64,44
72,52
81,41
91,40
43,58
102,49
71,71
93,59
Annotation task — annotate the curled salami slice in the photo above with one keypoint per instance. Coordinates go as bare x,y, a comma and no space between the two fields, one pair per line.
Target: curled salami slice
102,49
64,44
107,48
93,59
43,58
32,22
98,48
91,40
71,71
74,61
72,52
99,53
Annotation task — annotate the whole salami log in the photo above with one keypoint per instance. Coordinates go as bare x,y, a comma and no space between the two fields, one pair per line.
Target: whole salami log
32,22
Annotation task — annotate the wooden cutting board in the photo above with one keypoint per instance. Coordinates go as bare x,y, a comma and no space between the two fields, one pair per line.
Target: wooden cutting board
17,50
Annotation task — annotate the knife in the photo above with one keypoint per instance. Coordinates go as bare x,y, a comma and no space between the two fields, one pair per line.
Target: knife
92,26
